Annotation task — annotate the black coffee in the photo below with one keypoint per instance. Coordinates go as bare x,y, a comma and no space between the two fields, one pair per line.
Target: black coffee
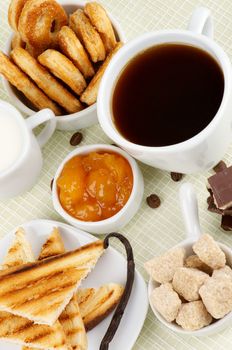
167,94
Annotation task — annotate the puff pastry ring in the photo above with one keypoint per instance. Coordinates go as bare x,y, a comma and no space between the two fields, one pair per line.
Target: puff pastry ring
40,22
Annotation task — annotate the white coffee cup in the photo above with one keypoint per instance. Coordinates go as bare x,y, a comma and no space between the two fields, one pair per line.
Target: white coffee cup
22,173
200,152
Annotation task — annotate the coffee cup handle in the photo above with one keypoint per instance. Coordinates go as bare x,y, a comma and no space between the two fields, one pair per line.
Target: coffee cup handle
189,208
201,22
40,118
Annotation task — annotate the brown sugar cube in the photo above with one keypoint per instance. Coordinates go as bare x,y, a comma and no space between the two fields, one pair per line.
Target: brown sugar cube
224,271
166,301
196,263
209,252
187,282
162,268
216,295
193,316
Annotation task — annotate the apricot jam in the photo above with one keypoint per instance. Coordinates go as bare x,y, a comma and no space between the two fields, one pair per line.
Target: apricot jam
95,186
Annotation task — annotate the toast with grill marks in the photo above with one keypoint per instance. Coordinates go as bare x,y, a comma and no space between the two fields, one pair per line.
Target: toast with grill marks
53,246
70,318
18,329
19,252
73,326
97,303
40,291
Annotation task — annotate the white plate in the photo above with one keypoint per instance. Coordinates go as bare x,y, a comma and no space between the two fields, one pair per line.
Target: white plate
111,267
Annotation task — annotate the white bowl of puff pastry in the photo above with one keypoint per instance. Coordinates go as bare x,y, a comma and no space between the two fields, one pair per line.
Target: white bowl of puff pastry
88,115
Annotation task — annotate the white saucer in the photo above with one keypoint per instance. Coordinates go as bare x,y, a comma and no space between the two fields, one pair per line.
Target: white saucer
112,267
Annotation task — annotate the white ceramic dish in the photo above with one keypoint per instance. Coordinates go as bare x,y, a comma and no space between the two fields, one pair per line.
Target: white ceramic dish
104,272
76,121
124,215
189,207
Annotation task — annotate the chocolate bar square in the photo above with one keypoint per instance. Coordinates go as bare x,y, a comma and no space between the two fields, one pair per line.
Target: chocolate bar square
220,167
226,222
227,212
212,207
221,186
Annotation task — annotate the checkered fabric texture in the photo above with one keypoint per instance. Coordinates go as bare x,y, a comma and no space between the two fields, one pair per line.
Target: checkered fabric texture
152,231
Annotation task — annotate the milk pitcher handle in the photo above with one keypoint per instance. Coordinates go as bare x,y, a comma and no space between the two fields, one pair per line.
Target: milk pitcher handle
45,115
201,22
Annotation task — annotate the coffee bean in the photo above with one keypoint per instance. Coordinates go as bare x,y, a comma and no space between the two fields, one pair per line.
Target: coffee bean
220,167
176,176
153,201
209,200
51,185
76,139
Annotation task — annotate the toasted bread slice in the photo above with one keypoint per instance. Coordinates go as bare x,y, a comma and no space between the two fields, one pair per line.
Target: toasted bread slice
71,322
20,251
40,291
53,246
96,303
20,330
73,326
70,319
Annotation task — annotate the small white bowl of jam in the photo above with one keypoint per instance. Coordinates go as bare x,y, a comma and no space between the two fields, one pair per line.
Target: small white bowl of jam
98,188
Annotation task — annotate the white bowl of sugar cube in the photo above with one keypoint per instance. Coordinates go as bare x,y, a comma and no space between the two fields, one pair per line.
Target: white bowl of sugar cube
190,286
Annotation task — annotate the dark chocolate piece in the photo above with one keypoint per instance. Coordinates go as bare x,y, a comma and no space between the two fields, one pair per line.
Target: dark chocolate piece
210,191
176,176
227,211
226,222
153,201
212,207
51,185
127,292
221,186
220,167
76,139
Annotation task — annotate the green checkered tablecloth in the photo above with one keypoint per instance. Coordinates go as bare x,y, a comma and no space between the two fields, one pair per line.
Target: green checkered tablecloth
151,231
